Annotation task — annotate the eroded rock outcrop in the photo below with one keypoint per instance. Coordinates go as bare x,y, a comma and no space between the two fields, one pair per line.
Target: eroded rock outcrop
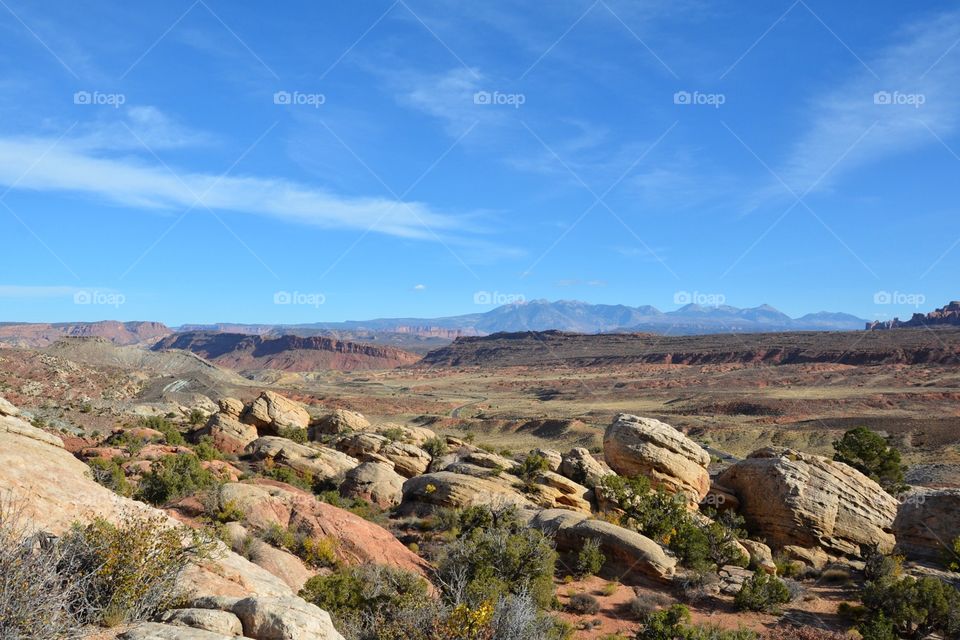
321,462
806,501
625,550
581,466
340,421
227,432
927,523
271,412
375,482
635,446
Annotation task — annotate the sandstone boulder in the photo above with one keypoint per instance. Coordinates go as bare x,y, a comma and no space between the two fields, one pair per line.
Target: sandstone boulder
321,462
410,435
228,433
158,631
409,460
624,549
374,482
635,446
552,456
927,522
761,557
458,490
580,466
340,421
284,619
271,412
230,407
222,622
797,499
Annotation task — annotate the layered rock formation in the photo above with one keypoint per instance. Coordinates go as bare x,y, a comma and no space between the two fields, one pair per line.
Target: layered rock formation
794,499
927,523
635,446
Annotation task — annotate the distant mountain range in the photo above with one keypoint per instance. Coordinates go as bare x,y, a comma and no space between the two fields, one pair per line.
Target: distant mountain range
573,316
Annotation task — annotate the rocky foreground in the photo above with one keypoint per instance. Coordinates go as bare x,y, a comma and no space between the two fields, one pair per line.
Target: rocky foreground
802,511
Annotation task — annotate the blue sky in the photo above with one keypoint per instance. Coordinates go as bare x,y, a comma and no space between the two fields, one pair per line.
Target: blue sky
196,161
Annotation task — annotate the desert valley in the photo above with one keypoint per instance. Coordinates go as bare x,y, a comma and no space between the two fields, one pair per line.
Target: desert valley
310,460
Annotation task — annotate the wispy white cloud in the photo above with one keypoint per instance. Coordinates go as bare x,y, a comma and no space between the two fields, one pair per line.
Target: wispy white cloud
849,129
99,163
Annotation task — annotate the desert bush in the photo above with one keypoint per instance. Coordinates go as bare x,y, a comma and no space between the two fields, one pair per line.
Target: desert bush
296,434
913,608
878,565
789,632
34,600
127,572
655,514
674,624
206,450
368,596
436,447
835,575
762,592
871,454
644,604
196,417
171,433
610,588
109,474
172,477
289,476
486,563
316,552
583,604
98,573
590,559
706,545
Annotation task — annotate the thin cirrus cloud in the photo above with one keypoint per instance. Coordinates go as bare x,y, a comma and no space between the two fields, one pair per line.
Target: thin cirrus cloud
90,164
850,129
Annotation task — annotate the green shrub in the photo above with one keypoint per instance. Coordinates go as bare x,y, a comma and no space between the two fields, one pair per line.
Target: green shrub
870,454
762,592
706,545
110,474
206,451
590,559
673,624
487,563
196,417
915,608
436,447
130,571
289,476
655,514
296,434
316,552
366,591
951,557
173,477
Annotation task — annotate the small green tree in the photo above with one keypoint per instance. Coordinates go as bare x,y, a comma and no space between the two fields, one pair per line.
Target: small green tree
590,559
870,454
172,477
656,514
762,592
